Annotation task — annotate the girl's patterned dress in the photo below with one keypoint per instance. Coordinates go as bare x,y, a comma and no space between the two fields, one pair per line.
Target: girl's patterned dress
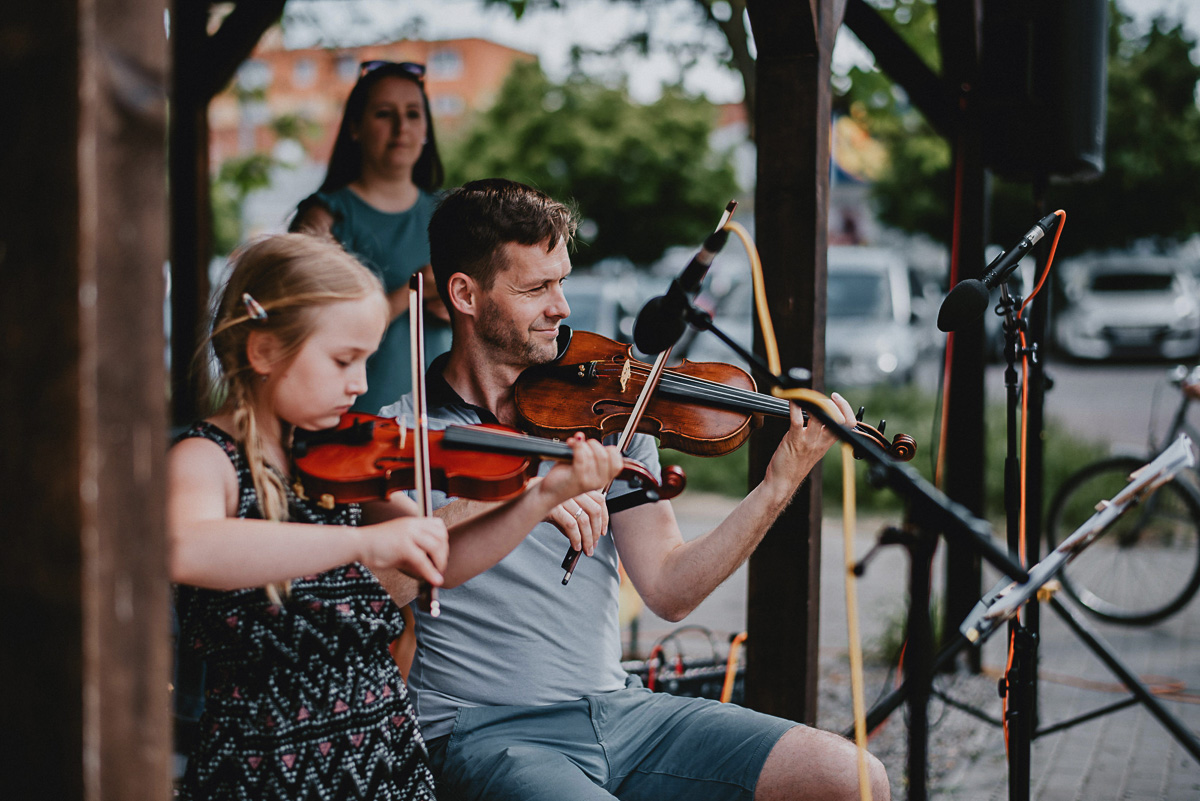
304,700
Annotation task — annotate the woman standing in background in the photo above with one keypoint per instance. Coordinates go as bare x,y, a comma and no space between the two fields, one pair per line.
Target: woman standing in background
376,200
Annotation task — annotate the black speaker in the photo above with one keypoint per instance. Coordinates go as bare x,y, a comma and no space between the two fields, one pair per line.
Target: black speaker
1043,86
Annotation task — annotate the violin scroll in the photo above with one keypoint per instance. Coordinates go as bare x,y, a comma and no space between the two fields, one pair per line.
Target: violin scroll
902,448
672,483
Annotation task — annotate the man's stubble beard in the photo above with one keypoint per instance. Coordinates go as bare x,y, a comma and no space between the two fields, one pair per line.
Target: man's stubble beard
503,339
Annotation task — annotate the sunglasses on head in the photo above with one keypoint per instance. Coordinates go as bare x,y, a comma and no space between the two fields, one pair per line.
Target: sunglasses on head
411,67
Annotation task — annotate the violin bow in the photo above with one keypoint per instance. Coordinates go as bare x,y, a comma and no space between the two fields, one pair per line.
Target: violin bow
427,594
639,409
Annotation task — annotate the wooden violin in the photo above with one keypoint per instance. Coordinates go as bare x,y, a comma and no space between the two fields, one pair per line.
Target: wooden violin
702,408
366,458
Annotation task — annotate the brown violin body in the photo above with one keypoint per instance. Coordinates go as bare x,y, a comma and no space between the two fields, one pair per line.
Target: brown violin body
702,408
583,390
367,458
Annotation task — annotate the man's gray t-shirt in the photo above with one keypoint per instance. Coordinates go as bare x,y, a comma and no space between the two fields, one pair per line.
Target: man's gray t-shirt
514,635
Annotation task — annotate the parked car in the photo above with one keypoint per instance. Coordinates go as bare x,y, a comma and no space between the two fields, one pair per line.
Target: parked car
1129,307
871,334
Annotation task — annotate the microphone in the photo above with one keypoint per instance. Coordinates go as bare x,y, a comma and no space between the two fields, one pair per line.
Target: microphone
968,300
662,321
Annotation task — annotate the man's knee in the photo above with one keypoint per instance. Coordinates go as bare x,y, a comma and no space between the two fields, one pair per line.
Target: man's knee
809,763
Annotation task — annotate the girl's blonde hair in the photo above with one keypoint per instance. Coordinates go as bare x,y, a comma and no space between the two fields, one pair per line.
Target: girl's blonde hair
287,278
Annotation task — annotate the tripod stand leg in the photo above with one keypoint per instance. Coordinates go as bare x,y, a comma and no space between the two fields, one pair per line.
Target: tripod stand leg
880,712
1020,691
1076,623
918,659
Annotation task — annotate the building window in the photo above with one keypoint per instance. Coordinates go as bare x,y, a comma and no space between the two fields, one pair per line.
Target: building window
304,73
253,75
347,68
445,64
448,105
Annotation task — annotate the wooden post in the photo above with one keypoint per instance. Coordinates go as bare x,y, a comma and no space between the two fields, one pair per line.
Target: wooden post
965,442
84,592
191,207
795,41
205,64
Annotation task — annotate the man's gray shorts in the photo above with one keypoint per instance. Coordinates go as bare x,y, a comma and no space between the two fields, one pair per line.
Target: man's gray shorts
632,744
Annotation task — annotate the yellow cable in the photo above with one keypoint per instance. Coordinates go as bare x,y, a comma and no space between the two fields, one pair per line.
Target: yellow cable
848,502
731,667
852,632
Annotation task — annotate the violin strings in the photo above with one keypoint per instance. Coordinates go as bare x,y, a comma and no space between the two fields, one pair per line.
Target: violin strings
705,389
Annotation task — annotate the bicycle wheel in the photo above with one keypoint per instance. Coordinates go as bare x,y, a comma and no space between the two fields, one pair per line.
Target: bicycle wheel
1146,565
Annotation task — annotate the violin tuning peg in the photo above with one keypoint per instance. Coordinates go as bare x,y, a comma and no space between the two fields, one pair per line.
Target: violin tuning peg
882,425
859,414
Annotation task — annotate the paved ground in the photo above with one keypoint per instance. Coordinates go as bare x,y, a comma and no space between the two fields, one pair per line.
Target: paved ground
1123,755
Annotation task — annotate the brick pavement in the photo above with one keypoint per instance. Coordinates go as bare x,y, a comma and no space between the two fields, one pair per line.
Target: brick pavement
1126,754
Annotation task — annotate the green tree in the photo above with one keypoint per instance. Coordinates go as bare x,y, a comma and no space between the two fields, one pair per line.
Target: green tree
643,176
1152,159
237,177
727,16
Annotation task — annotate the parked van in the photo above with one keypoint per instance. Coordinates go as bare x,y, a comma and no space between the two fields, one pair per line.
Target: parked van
1124,306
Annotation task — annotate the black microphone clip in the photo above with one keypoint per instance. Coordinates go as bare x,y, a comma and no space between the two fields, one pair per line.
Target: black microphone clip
663,319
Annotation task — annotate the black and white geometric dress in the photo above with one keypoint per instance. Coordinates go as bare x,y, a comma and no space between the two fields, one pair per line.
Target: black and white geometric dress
304,701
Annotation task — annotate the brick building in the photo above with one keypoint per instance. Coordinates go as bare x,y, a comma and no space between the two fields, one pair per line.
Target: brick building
312,84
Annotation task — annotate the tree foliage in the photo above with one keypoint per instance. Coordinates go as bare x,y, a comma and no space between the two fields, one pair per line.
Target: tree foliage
1152,159
237,177
727,16
643,176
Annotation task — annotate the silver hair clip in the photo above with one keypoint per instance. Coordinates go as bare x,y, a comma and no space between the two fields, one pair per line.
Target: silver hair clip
254,308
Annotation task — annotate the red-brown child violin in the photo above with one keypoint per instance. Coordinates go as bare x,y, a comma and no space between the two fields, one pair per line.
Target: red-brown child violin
368,458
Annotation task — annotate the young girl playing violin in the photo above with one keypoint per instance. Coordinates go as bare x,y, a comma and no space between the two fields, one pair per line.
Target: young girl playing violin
304,700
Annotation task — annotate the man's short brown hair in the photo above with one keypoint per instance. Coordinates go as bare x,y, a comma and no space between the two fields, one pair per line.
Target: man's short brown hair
473,223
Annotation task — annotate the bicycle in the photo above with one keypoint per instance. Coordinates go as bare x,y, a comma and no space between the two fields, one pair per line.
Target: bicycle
1146,566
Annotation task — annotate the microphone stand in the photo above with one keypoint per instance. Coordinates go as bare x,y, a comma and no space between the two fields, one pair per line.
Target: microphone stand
929,512
1020,682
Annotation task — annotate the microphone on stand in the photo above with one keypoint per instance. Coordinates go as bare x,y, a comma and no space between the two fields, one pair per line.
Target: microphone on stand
663,319
968,300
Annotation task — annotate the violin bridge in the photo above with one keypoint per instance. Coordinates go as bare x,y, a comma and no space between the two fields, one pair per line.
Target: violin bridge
626,372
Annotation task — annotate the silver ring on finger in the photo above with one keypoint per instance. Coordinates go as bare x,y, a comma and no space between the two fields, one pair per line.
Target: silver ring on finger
579,513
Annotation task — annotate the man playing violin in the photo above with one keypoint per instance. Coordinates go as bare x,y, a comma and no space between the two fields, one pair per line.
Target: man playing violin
518,683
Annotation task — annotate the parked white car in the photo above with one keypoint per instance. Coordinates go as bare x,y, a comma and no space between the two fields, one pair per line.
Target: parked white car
870,336
1129,307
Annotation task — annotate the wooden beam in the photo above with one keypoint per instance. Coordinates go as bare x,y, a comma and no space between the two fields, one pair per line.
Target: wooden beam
795,42
84,586
190,205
